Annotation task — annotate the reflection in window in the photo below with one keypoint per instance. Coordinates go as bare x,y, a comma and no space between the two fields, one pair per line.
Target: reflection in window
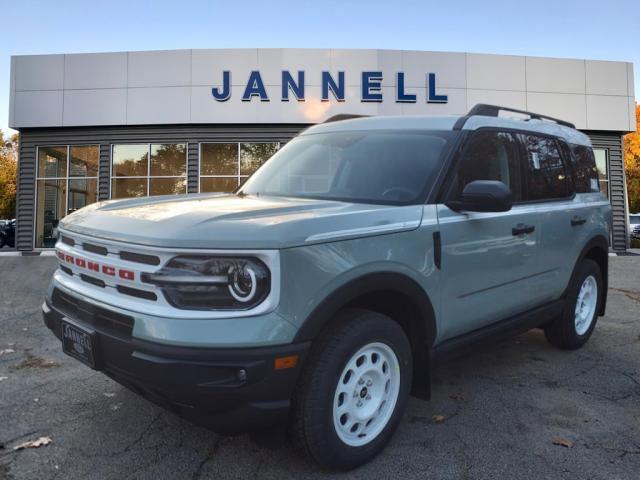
547,176
253,155
168,159
83,161
167,186
603,173
218,184
52,162
491,156
148,169
225,166
82,192
130,160
52,199
219,159
584,168
67,181
128,187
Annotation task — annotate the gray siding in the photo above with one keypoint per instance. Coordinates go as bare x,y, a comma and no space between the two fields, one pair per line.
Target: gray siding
26,194
612,142
104,171
105,136
193,153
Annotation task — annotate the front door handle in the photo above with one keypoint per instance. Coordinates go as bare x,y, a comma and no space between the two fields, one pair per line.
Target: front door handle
577,220
521,229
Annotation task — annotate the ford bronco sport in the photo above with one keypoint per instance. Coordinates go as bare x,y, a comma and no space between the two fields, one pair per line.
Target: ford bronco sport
319,294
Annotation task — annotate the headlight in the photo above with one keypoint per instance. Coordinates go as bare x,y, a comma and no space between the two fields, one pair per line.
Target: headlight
199,282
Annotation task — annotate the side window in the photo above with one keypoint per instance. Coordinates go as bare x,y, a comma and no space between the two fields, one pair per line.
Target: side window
584,169
546,177
490,155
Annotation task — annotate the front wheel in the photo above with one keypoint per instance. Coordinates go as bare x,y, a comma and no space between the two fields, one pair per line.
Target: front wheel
572,329
353,390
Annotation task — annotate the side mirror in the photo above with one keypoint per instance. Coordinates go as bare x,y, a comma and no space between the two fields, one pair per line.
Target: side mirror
483,196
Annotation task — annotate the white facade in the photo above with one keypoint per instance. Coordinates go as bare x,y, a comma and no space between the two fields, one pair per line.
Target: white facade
175,87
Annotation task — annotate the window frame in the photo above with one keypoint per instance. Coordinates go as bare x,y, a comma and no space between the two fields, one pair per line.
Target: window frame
148,177
238,176
66,179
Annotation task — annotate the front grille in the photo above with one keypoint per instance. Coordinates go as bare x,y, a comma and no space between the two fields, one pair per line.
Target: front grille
100,318
140,258
67,240
95,249
134,292
92,280
66,270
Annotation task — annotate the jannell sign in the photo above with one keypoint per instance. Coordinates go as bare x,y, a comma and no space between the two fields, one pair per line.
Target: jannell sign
294,87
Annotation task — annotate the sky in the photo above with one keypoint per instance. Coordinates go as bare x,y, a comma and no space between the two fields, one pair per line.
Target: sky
560,28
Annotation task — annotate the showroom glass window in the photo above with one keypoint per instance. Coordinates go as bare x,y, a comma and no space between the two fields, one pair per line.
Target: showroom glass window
603,171
66,181
138,170
225,166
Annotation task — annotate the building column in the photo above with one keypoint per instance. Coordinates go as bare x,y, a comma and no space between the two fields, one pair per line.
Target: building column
192,167
104,172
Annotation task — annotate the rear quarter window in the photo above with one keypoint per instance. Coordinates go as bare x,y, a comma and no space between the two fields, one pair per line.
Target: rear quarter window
585,171
546,176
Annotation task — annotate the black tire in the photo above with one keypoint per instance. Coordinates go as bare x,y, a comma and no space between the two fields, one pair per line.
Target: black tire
311,426
1,241
562,332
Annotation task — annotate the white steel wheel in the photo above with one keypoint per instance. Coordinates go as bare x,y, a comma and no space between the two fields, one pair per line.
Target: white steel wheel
366,394
586,304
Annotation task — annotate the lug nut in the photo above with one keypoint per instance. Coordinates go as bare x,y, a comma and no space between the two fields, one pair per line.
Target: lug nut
368,397
369,383
360,382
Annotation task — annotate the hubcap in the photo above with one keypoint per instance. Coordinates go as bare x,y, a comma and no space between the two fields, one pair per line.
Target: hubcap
586,304
366,394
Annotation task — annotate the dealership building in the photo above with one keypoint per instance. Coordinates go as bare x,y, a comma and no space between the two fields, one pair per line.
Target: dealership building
104,126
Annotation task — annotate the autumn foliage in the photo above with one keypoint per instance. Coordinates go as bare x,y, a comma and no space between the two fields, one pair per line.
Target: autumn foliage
632,165
8,163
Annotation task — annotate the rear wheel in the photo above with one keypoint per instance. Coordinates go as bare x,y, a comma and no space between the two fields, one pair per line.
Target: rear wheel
353,390
572,329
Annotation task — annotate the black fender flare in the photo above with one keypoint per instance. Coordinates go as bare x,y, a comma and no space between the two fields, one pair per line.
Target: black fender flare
366,284
598,242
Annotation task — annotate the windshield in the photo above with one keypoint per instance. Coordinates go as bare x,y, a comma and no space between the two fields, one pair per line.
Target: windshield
387,167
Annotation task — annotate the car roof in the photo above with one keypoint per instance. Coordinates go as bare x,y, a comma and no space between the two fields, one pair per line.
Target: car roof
474,122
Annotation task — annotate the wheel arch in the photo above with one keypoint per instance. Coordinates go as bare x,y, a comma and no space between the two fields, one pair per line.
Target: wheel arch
395,295
597,249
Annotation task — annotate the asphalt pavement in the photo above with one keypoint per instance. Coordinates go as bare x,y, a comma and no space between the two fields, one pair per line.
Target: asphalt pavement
519,409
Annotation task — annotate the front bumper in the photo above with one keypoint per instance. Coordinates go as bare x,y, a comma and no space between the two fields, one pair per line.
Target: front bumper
204,385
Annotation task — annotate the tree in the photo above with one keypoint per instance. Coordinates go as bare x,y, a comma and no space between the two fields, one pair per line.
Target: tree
632,165
8,176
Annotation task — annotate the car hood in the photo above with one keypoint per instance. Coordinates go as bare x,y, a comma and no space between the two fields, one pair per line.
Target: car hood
234,222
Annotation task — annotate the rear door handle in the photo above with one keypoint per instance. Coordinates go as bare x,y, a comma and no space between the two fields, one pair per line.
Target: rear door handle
521,229
578,221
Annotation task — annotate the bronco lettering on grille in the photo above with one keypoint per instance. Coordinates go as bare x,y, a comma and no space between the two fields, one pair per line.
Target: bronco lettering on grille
108,270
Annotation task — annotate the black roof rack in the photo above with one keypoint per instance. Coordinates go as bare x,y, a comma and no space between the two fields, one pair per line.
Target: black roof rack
343,116
494,111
